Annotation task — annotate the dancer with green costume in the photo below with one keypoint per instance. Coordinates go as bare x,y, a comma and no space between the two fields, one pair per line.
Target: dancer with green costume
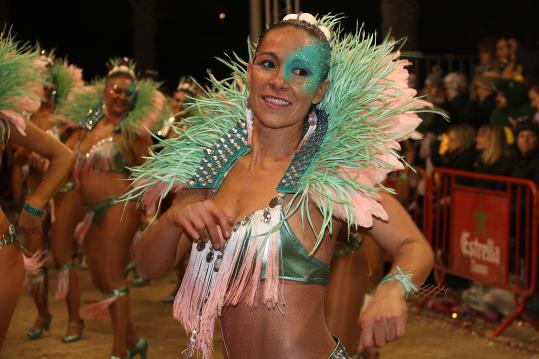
269,173
114,119
21,90
63,210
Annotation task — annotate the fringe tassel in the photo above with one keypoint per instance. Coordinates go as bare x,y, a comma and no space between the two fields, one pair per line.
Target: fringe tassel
34,282
82,228
205,292
33,264
62,284
98,310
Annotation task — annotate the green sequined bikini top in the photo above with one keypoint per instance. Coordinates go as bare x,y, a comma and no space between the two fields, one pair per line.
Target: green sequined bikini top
298,265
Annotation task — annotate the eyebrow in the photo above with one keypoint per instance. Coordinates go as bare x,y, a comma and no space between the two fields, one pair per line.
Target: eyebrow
269,53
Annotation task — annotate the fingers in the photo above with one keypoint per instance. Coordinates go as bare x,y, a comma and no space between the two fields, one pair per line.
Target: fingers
211,230
203,221
378,332
225,222
400,326
366,337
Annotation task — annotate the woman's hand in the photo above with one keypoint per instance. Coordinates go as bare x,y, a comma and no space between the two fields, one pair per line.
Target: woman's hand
384,317
202,221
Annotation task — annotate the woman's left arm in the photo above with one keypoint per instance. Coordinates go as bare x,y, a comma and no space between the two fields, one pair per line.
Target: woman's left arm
60,164
383,320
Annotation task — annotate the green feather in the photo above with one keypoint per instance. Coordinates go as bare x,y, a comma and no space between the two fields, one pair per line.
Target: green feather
61,79
86,98
17,72
354,131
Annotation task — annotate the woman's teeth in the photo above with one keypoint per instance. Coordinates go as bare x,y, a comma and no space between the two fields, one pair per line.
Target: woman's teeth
276,101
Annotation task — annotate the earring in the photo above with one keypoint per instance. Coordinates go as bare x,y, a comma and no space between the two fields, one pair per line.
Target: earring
249,123
313,121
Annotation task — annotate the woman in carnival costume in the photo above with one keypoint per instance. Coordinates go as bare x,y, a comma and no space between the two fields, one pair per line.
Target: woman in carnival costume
20,95
115,117
64,209
265,179
186,91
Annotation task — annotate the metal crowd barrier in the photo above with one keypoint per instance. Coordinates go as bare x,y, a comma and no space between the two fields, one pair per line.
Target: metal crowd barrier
484,228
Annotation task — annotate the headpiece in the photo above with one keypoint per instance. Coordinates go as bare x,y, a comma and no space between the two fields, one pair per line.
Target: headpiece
187,85
310,19
121,66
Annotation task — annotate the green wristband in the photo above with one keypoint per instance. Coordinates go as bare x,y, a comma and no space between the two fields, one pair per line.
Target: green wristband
404,278
33,211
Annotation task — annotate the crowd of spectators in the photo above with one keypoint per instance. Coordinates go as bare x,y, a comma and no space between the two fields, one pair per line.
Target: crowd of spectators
492,127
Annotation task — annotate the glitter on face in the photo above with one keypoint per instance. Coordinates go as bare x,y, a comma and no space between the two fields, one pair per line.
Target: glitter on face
307,64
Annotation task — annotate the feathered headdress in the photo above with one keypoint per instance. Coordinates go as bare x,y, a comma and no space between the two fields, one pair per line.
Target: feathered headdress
147,112
21,82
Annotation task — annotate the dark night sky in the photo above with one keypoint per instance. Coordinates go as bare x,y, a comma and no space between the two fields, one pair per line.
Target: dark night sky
189,34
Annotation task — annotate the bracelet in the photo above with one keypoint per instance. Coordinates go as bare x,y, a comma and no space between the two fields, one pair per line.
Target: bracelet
404,278
33,211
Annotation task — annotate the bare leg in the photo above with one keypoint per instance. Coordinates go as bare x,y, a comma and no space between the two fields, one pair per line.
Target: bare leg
12,272
68,209
38,284
108,253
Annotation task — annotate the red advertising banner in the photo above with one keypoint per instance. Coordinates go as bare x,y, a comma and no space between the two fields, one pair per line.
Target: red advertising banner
480,234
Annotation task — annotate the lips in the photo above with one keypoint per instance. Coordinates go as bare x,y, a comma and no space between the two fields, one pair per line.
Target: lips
275,102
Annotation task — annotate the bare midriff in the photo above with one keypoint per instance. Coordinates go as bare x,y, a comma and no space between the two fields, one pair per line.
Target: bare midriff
97,186
297,330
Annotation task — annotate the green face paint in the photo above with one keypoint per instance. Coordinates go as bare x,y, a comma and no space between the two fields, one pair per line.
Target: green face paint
130,91
308,64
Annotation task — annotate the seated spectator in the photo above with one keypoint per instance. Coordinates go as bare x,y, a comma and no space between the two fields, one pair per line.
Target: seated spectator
494,155
512,104
459,153
457,104
483,100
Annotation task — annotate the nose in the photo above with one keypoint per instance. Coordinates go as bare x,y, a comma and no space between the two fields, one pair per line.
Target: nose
278,81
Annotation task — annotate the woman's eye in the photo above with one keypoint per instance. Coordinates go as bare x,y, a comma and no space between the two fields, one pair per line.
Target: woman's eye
267,64
300,72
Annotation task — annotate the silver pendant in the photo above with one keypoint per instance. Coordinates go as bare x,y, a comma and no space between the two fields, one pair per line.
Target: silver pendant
209,256
200,246
217,263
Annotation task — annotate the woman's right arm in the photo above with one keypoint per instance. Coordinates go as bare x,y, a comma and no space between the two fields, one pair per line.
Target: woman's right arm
61,161
191,218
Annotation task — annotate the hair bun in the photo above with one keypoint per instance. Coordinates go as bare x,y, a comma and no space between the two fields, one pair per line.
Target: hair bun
309,19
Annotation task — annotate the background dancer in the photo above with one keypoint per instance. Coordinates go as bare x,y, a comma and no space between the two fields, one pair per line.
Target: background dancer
17,99
113,136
